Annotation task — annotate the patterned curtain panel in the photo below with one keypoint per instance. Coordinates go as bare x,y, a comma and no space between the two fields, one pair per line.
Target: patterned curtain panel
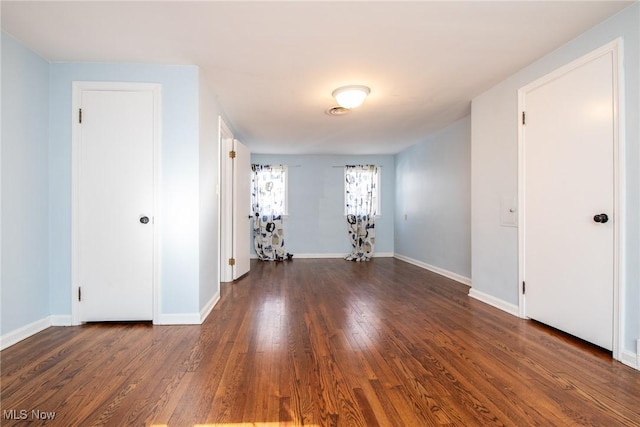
268,201
268,192
363,237
268,237
361,207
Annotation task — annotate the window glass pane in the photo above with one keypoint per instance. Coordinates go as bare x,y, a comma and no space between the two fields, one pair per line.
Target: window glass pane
269,190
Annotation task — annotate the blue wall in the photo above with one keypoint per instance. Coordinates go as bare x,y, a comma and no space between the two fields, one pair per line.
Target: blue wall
433,190
36,187
180,177
25,192
316,224
495,167
36,183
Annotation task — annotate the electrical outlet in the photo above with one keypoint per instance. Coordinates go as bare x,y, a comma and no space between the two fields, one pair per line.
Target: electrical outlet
406,217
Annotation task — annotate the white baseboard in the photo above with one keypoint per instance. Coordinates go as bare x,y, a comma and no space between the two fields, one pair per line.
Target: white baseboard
206,310
627,357
630,359
383,255
448,274
329,255
495,302
61,320
178,319
13,337
332,255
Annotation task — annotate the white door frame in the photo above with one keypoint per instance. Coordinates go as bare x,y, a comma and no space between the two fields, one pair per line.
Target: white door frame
614,47
225,200
76,137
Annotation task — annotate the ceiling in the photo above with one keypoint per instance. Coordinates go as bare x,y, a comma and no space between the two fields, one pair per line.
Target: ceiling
273,65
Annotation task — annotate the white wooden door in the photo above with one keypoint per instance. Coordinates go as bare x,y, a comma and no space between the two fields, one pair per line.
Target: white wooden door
568,182
115,218
226,202
241,209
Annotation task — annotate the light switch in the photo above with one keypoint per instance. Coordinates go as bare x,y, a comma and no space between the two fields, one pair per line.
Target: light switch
508,211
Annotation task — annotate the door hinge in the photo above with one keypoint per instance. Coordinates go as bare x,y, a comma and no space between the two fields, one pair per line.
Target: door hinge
80,115
79,293
524,118
232,154
232,261
524,288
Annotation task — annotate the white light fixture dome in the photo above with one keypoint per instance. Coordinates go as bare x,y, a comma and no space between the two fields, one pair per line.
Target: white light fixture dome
351,96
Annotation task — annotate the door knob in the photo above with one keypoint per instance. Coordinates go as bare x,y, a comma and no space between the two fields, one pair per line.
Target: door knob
144,219
601,218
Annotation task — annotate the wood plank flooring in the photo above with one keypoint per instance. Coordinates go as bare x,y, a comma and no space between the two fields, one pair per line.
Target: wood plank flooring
322,343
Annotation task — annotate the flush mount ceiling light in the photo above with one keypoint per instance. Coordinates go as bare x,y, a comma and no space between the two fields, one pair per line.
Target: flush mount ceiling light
351,96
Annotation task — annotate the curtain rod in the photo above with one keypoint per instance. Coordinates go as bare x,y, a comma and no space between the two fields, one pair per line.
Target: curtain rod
344,166
292,166
299,166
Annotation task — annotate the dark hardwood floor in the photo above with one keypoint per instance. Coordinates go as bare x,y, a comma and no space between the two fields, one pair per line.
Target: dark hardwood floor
320,343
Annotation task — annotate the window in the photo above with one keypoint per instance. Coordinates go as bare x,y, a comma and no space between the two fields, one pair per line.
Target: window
269,190
362,190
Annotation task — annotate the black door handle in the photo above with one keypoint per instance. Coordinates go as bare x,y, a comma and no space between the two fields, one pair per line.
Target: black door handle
144,219
601,218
